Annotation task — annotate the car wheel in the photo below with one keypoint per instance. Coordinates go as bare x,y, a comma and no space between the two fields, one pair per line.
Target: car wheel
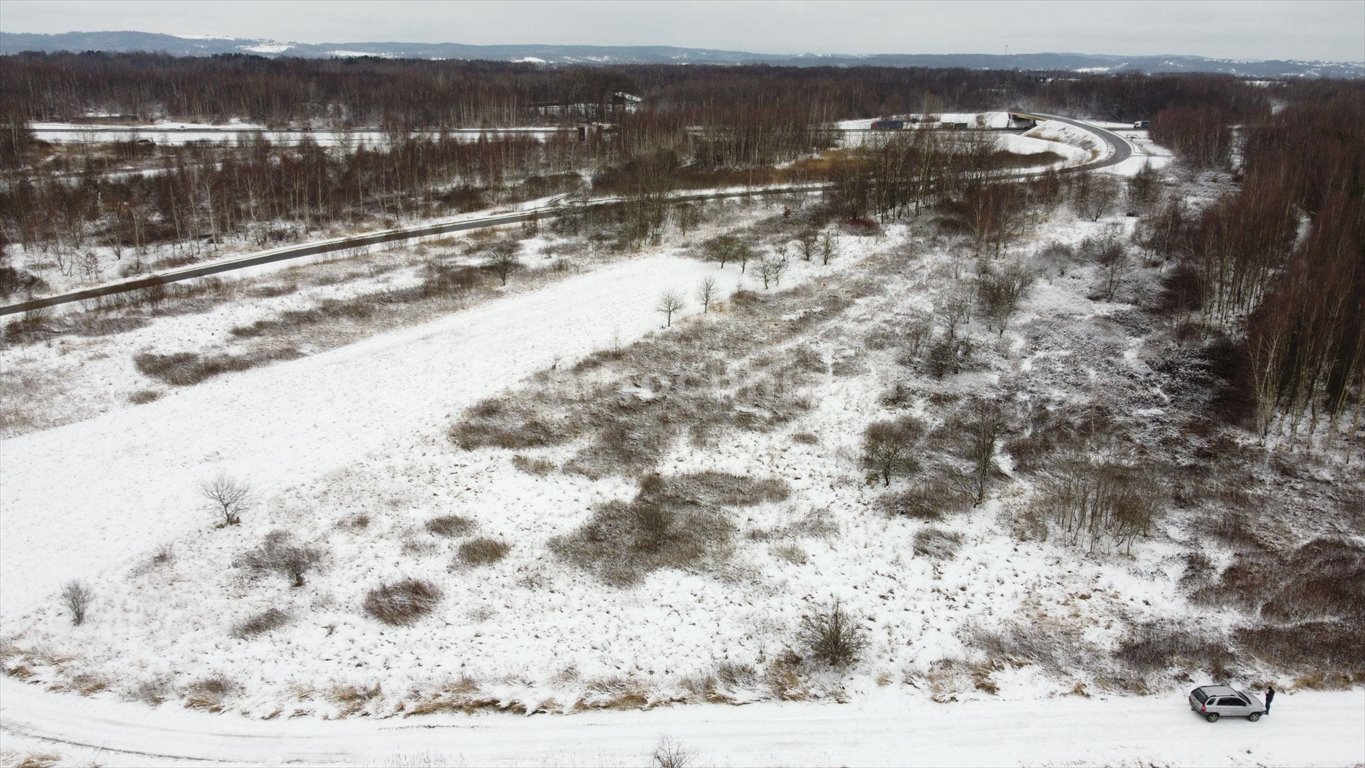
1212,717
1254,716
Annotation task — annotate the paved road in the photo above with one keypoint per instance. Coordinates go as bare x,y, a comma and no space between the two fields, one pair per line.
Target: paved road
1119,150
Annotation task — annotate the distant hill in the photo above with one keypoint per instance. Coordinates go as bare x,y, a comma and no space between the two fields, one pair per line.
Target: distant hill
560,55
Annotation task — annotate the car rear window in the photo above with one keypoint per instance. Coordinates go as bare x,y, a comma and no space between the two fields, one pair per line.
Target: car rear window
1200,696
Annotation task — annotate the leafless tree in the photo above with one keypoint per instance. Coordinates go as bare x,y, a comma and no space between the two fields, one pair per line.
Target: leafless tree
77,597
1000,292
1094,196
672,754
888,446
981,427
229,497
707,291
669,302
1114,265
806,241
829,244
770,271
504,260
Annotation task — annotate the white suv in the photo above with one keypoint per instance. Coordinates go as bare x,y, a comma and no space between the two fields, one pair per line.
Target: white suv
1215,701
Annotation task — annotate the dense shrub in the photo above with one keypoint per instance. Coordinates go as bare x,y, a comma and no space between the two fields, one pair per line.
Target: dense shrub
832,636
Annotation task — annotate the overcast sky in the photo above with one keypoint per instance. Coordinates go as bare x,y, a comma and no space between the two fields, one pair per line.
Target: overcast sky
1331,30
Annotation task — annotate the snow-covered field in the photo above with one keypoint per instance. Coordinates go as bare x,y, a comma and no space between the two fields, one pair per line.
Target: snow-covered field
988,642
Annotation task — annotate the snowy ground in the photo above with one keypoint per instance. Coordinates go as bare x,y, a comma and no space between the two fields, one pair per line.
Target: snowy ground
883,728
347,449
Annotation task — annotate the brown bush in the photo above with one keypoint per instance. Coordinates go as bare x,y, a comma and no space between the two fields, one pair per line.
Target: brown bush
209,693
403,602
1155,648
926,500
482,551
673,522
450,526
265,621
183,369
278,553
832,636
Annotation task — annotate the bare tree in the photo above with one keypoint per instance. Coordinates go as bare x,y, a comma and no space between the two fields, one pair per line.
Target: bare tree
504,260
1000,292
229,496
707,291
671,754
77,598
1094,196
887,447
1111,257
980,428
829,244
806,241
669,302
770,271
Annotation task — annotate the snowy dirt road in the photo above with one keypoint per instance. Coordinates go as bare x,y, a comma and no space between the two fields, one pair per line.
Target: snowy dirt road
124,481
891,728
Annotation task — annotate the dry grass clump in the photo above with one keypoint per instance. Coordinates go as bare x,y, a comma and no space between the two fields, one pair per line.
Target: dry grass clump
673,522
403,602
328,312
260,623
278,553
1156,648
1053,647
533,466
937,543
144,396
482,551
210,693
183,369
39,760
928,499
450,526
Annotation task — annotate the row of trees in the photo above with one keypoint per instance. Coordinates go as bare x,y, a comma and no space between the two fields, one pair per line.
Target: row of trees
259,189
429,94
1281,263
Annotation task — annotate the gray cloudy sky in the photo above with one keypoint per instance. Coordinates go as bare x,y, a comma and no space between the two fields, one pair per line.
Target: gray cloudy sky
1261,29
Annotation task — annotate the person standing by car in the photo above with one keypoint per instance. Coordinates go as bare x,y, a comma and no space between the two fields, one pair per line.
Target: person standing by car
1269,697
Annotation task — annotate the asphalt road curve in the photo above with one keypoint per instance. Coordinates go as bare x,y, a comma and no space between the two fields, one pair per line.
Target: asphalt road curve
1119,148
